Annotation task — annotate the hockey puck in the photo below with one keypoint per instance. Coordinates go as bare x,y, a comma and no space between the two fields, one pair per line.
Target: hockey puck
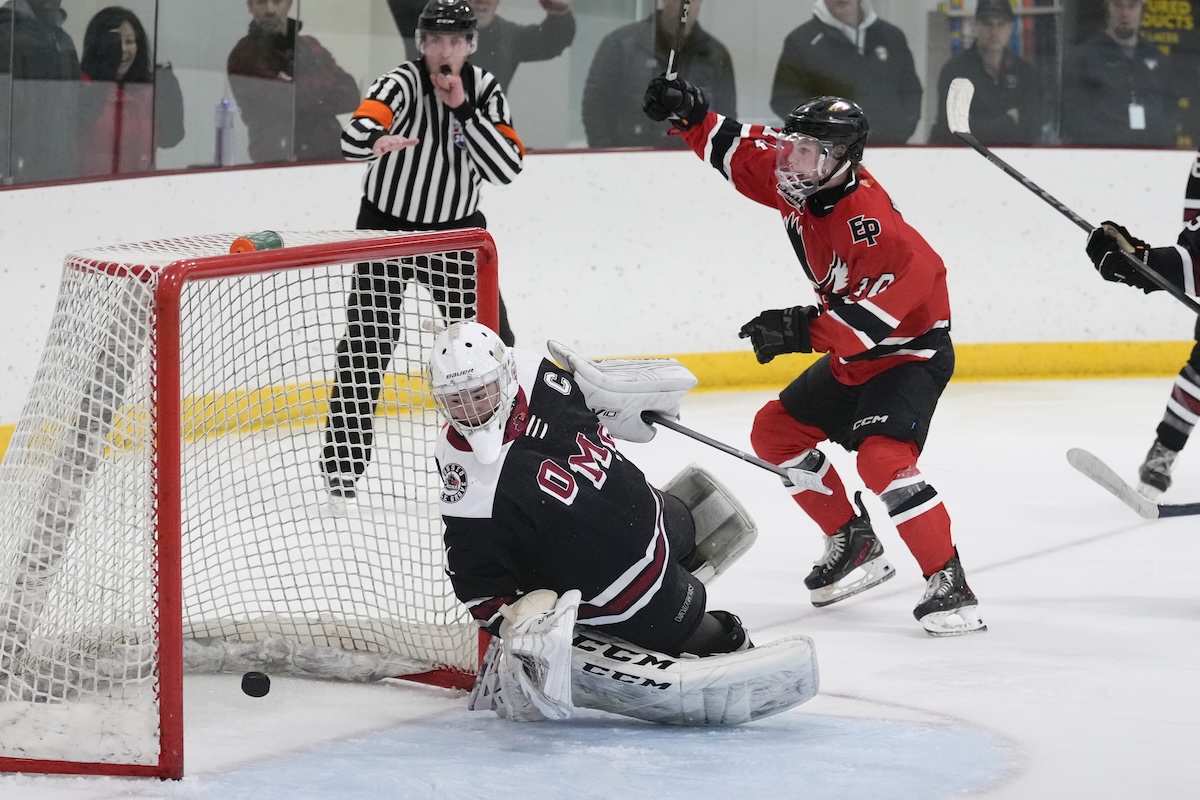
256,684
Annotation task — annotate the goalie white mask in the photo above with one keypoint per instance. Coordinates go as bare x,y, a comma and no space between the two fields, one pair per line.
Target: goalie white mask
473,378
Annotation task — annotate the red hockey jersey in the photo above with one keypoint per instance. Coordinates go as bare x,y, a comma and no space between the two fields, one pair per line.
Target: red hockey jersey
881,287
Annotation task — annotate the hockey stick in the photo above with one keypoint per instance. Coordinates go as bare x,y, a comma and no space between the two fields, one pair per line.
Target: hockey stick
958,108
673,73
1102,474
795,475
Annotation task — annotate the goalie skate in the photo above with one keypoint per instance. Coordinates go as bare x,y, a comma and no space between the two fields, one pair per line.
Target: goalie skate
852,562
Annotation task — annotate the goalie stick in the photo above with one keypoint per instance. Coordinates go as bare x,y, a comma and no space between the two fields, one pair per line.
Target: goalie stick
1102,474
958,110
798,477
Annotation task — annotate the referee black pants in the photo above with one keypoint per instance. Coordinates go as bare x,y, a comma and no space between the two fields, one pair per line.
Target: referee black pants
373,324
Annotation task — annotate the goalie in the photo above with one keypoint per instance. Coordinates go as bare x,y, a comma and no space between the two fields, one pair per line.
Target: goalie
548,525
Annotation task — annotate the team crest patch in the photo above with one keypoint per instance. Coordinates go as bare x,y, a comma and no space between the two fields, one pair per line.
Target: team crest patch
458,137
454,483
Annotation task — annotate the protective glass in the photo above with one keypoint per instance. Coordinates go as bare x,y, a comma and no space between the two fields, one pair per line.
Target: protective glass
803,163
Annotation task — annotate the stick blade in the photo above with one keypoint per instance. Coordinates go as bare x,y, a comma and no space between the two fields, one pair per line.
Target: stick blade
1103,475
958,105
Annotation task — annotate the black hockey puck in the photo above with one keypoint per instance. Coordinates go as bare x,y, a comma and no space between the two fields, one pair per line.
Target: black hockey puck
256,684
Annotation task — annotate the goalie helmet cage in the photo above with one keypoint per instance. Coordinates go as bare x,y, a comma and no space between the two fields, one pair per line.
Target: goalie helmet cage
162,504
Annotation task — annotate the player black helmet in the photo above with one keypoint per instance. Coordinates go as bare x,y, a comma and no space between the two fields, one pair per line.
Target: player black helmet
820,138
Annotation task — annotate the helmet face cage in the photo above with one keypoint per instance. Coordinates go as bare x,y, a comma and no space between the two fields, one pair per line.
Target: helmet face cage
803,164
473,378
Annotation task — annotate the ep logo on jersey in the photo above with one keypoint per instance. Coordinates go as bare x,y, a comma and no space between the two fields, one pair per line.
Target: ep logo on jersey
454,483
865,229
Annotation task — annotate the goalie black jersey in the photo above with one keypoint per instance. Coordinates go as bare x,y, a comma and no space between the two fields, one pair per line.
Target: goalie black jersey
560,508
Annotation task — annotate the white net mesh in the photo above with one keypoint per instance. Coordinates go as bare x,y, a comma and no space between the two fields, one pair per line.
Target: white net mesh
277,574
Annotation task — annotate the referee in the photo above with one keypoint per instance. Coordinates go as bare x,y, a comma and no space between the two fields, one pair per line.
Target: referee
433,129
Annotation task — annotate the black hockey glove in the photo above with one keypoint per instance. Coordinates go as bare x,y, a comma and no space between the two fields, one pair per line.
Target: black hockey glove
682,103
1104,246
779,331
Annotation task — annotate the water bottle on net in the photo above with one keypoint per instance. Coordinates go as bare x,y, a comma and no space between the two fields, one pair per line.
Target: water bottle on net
224,155
252,242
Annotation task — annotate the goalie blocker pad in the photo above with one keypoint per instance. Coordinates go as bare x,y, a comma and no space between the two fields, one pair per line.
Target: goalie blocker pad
726,689
724,529
619,390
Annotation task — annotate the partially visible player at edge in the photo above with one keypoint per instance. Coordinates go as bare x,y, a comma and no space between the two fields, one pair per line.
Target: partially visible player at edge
883,322
1180,266
547,523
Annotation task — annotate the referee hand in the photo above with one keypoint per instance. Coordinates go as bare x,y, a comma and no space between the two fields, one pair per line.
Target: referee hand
449,89
390,144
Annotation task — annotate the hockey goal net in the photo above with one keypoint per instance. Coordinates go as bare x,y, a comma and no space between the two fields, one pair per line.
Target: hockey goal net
163,505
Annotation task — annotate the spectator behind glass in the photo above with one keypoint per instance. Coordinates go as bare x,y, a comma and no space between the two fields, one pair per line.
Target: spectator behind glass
39,73
1007,107
288,88
126,108
630,56
1117,86
504,45
847,51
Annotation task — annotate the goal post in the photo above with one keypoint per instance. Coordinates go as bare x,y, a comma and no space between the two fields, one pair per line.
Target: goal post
163,501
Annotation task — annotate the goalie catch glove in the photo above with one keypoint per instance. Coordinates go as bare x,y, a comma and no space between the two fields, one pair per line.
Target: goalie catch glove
619,390
779,331
1104,247
683,103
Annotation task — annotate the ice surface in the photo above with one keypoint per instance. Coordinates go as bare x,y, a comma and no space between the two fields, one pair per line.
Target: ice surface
1083,688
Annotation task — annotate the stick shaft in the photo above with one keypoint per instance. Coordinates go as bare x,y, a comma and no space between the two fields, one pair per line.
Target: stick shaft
667,422
1154,277
680,29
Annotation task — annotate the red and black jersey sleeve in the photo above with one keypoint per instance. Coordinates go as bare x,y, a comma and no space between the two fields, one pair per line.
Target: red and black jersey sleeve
743,154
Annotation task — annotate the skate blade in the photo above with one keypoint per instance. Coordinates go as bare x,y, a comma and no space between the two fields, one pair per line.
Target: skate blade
957,622
870,574
1149,492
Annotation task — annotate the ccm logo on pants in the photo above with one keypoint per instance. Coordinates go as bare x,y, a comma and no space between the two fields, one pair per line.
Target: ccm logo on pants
870,421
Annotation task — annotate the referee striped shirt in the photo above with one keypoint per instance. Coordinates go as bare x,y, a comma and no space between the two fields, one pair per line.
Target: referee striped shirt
437,180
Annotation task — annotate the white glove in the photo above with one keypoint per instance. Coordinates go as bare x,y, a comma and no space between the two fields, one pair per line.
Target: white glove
619,390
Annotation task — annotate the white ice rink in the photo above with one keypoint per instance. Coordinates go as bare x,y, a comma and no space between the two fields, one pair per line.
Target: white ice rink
1085,686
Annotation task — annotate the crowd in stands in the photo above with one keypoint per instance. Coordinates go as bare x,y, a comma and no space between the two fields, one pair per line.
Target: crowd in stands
97,99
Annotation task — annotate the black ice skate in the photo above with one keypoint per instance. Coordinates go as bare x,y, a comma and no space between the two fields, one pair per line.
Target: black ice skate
341,490
853,562
1154,476
949,607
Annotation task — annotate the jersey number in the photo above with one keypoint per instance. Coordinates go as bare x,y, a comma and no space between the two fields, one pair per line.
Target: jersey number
591,462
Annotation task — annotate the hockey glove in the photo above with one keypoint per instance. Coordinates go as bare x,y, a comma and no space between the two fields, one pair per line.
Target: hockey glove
1104,247
779,331
682,103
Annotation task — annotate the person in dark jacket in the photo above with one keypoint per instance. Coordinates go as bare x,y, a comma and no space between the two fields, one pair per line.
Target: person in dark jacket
39,85
128,106
1117,87
1007,107
504,45
847,51
288,88
626,60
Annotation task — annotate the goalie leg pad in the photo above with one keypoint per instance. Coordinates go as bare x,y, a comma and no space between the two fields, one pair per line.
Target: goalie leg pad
727,689
724,529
